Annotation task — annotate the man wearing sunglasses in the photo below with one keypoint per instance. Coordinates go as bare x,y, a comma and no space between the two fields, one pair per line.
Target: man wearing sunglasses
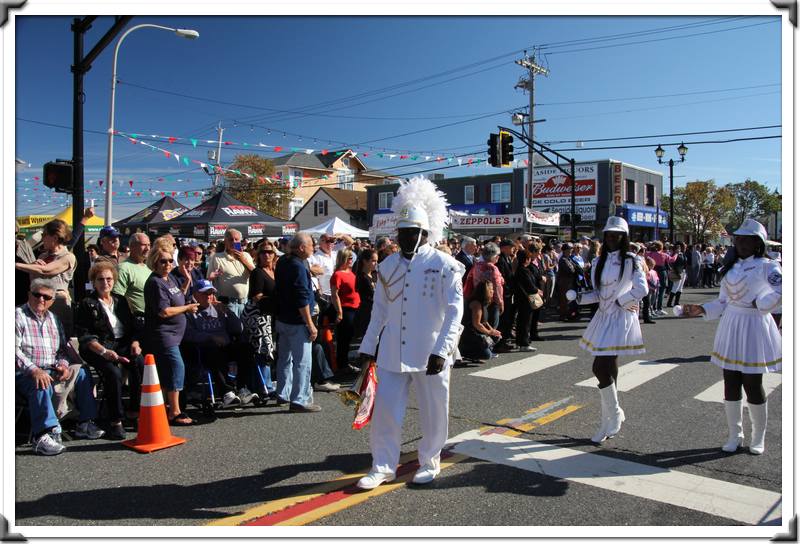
43,358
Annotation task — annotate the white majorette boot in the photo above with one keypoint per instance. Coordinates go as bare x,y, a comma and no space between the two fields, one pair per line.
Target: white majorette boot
758,417
600,435
733,413
615,414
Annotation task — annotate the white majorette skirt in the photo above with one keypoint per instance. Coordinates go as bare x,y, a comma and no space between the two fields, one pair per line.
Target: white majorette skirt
747,341
613,331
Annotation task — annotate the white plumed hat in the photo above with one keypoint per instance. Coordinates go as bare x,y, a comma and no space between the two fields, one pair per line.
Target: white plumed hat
420,204
616,224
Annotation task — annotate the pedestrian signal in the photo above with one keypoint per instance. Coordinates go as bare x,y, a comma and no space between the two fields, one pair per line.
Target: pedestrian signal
58,175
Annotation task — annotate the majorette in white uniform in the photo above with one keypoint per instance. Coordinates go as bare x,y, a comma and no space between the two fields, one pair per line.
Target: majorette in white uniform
416,313
747,339
613,329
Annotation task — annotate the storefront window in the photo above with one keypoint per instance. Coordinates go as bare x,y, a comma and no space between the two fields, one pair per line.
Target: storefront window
630,191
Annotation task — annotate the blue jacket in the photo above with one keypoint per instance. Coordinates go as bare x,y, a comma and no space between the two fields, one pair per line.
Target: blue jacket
294,289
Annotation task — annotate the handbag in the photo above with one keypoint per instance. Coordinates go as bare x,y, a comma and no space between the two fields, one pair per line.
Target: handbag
536,301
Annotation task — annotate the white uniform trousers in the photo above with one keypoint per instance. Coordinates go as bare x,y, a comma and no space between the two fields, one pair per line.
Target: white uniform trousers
433,396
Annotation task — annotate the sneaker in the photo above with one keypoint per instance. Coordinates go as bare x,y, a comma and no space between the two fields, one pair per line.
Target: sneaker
494,356
527,348
245,396
425,475
308,408
88,429
280,401
326,386
55,433
374,479
230,399
46,445
116,432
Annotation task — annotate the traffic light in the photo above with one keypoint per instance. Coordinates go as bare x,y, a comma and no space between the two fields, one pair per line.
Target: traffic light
58,175
494,147
506,148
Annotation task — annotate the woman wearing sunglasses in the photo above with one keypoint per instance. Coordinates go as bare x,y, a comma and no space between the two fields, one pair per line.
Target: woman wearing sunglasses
104,326
165,323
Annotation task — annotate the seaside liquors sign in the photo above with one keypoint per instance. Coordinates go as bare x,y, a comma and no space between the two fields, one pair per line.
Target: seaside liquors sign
552,187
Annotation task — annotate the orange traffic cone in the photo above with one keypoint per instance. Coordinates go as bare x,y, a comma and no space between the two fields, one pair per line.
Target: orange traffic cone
327,341
154,433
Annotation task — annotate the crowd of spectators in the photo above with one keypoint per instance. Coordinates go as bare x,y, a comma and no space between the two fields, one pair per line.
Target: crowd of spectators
240,313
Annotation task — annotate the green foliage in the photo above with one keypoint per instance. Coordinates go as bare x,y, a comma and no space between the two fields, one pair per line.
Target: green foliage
751,199
701,207
264,195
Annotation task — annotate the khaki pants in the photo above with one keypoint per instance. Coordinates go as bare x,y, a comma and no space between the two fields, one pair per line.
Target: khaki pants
64,393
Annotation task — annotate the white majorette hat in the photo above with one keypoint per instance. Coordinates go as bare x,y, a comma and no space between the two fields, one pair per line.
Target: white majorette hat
412,216
751,227
616,224
420,204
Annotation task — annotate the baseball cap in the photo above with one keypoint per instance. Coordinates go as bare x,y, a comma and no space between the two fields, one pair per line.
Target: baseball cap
109,232
204,286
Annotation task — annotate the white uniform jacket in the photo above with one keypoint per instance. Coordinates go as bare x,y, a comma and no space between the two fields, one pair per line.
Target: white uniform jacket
628,291
750,280
420,315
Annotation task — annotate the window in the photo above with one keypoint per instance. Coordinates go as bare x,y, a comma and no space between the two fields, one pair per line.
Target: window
344,178
294,206
649,195
630,191
385,200
501,192
346,162
469,194
320,207
296,178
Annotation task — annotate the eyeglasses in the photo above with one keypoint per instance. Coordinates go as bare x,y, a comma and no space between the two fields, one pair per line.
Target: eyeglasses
104,279
164,261
42,296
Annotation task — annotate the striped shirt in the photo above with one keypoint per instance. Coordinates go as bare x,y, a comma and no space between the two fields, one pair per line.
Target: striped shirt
40,342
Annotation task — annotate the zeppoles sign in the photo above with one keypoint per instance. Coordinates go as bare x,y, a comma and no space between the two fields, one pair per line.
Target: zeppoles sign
507,221
239,211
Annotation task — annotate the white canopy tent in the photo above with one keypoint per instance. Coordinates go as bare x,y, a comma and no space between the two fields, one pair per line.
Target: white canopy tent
337,226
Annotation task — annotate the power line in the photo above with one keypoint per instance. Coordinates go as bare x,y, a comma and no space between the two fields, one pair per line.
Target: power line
662,135
660,39
621,99
673,143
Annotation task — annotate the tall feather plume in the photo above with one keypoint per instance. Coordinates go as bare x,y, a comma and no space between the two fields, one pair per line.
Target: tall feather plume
421,192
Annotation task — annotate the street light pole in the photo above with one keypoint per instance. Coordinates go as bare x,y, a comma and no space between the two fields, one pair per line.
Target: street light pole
682,149
184,33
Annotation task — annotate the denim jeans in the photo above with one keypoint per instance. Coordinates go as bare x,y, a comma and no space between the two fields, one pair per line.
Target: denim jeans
294,363
236,308
171,369
40,404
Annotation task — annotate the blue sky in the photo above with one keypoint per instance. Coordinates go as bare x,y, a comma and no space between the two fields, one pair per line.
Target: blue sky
642,76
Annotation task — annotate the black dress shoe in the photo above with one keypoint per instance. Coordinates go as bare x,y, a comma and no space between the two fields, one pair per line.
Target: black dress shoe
649,321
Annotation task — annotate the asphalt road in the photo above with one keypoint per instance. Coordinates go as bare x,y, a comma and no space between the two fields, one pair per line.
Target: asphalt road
254,462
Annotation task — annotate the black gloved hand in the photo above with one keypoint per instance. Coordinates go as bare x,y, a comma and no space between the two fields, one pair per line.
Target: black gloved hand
363,360
435,364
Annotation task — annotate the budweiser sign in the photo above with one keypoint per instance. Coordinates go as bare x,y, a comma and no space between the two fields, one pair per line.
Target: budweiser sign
552,186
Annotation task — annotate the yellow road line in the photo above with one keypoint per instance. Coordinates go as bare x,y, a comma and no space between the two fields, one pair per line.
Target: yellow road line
280,504
337,484
358,498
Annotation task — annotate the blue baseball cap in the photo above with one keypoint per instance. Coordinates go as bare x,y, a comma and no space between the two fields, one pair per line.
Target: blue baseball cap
205,286
109,232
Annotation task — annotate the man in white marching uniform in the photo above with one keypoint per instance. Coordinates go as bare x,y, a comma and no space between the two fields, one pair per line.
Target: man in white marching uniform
417,318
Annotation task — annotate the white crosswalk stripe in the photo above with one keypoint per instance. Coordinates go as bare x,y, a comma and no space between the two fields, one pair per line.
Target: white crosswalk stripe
716,392
724,499
634,374
523,367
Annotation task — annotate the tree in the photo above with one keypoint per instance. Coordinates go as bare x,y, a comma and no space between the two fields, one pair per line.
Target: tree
263,194
751,199
701,208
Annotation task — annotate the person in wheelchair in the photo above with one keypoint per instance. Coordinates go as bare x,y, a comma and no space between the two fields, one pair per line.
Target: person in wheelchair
214,336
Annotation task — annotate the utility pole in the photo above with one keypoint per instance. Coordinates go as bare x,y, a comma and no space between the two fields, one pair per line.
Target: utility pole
529,84
220,130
